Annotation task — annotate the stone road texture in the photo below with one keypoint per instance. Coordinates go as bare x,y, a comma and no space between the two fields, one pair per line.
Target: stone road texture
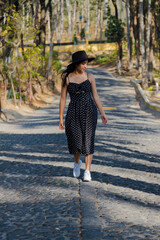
39,198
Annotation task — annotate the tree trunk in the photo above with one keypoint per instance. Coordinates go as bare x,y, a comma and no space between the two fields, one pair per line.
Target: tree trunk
119,3
86,19
51,43
131,34
148,41
106,13
120,49
20,92
22,44
82,16
156,13
144,82
36,22
101,23
43,25
116,9
77,18
135,7
97,20
32,11
27,16
48,27
3,42
59,20
30,92
69,19
120,55
5,88
128,34
62,17
74,18
88,15
151,52
36,13
14,95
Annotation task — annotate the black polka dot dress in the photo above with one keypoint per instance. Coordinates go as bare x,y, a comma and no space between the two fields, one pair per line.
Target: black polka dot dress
81,118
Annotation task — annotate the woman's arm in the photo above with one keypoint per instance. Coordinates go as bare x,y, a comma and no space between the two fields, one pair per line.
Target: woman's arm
62,105
97,99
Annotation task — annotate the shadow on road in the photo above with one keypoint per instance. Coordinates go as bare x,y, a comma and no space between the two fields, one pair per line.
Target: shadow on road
41,200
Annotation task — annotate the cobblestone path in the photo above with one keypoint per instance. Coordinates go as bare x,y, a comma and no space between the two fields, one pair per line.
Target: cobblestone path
39,198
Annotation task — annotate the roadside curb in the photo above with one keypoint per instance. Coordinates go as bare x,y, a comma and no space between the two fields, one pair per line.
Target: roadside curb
145,99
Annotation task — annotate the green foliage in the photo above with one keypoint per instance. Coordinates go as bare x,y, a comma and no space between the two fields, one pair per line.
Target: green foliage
115,30
149,89
11,96
90,50
16,26
55,54
33,60
5,69
82,33
23,97
133,51
56,64
107,13
156,74
75,39
108,58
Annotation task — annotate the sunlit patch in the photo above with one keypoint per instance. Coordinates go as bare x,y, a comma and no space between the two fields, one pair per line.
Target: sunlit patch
109,108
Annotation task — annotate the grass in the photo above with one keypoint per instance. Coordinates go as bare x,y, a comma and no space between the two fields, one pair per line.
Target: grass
107,58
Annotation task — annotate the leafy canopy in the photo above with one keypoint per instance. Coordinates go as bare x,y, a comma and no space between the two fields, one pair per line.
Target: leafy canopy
115,29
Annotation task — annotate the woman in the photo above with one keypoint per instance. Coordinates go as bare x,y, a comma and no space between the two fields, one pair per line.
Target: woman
81,117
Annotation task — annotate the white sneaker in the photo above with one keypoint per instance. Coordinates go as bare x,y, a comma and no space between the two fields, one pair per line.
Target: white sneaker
76,169
87,176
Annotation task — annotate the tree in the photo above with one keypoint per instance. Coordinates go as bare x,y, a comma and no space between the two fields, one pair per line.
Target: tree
156,13
129,39
143,66
115,33
69,19
51,40
106,13
134,8
97,21
61,17
42,29
149,45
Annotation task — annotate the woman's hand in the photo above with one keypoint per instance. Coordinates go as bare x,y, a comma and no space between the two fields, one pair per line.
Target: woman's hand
104,119
61,125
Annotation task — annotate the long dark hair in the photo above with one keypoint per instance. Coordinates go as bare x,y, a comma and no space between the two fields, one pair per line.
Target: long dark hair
66,72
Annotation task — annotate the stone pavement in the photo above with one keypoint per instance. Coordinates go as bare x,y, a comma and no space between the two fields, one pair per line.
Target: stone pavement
39,198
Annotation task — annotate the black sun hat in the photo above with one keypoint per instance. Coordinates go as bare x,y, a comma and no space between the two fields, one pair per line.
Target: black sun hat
78,57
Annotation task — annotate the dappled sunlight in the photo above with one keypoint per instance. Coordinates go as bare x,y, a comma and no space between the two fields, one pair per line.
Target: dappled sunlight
36,170
122,207
31,191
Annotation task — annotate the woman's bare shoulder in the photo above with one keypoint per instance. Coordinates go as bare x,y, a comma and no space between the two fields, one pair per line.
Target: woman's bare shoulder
91,77
69,77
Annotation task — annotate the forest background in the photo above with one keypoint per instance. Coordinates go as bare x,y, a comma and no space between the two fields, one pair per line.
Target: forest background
30,29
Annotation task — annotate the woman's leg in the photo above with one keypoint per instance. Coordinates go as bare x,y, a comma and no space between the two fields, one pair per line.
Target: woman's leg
77,165
88,159
77,157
